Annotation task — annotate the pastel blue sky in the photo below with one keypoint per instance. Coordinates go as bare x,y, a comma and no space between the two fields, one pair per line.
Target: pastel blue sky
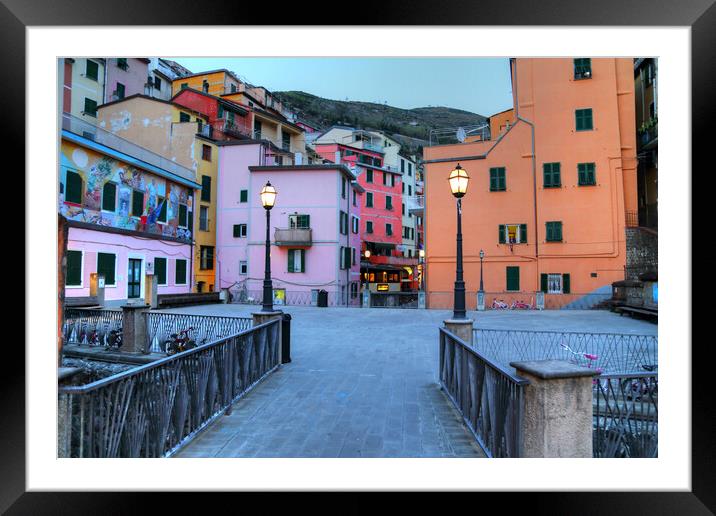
480,85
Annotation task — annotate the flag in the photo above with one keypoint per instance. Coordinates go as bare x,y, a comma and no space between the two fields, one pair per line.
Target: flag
154,214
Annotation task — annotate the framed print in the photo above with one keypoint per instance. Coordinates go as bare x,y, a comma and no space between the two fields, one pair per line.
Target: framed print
361,257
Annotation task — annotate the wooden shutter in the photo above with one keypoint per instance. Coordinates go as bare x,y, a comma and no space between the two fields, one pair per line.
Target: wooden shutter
206,188
73,190
502,181
502,231
180,273
543,282
244,195
105,265
558,231
163,212
137,203
303,259
550,232
565,284
290,260
109,196
160,270
493,179
523,233
513,278
237,230
183,215
74,268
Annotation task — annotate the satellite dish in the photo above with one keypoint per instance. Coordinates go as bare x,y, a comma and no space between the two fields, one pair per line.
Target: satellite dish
460,135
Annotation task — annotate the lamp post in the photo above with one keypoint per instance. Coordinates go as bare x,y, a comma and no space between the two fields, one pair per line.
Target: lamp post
458,180
482,255
268,199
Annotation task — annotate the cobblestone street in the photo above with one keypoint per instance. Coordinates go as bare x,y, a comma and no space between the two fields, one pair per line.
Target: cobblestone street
363,383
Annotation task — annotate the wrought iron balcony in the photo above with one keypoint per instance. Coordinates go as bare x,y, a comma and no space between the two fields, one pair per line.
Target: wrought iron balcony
293,236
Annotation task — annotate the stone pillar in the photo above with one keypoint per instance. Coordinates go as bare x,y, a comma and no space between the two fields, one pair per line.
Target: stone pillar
262,317
150,290
135,338
557,416
480,301
461,328
97,287
366,297
421,299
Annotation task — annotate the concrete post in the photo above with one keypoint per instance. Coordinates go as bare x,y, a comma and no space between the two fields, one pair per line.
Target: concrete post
134,329
480,301
262,317
97,287
150,290
461,328
366,298
421,299
557,416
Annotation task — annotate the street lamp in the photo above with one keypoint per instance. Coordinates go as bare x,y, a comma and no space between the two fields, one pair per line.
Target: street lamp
367,253
458,180
268,199
482,255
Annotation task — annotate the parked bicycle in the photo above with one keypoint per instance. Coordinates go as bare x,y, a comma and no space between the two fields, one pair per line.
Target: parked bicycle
179,342
521,305
91,337
114,341
498,304
637,388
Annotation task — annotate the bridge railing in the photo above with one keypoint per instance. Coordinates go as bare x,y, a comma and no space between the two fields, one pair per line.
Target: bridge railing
206,328
155,409
489,397
90,327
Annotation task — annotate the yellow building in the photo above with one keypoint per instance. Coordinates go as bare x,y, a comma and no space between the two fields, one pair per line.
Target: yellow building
177,134
214,82
83,88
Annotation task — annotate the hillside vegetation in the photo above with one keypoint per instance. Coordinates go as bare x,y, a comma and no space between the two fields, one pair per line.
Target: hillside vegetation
411,127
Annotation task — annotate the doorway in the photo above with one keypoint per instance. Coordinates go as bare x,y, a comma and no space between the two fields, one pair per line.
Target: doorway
134,278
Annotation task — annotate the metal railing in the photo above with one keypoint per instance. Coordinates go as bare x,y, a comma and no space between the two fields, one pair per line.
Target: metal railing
155,409
81,128
625,415
246,296
616,352
393,299
489,397
207,328
89,327
571,301
293,236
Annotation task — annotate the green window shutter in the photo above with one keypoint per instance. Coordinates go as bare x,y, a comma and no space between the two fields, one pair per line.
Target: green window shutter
73,187
550,232
244,196
237,231
291,260
137,203
369,176
73,275
180,275
105,265
206,188
183,215
513,278
591,178
493,180
303,259
523,233
163,212
90,107
502,179
92,70
556,174
160,270
109,196
369,200
502,232
558,231
543,282
184,117
220,112
369,227
547,175
565,284
190,220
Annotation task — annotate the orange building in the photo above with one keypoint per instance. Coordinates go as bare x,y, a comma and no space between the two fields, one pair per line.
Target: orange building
547,195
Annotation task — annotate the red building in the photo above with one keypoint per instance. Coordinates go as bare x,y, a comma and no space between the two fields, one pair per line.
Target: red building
382,265
227,120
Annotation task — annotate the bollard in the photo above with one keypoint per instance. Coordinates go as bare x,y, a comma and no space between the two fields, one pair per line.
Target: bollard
262,317
134,329
461,328
557,415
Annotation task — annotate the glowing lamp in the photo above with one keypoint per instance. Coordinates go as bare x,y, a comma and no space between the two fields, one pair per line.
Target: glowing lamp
458,181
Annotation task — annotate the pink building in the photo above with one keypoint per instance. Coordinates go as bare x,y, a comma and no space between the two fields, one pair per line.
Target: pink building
126,76
314,233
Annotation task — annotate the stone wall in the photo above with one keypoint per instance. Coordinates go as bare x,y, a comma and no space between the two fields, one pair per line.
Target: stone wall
642,247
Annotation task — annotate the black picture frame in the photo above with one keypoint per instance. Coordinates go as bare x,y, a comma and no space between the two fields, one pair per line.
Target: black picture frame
700,15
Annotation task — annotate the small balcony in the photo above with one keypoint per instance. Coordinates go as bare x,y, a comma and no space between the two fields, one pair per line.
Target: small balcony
416,205
293,236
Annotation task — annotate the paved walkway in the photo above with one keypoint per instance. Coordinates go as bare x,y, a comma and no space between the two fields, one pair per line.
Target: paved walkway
363,383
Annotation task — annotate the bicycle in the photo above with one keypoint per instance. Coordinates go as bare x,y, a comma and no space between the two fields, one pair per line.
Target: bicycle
521,305
114,341
179,342
498,304
636,388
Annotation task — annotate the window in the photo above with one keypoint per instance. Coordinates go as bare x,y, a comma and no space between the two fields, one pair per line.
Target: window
583,68
244,196
205,149
157,84
92,70
297,221
160,270
296,260
206,188
389,229
243,267
385,178
551,175
203,218
513,278
585,173
402,165
369,200
410,169
73,187
584,119
346,257
554,231
73,276
388,202
233,88
392,179
403,187
199,126
180,272
410,190
184,117
555,283
220,111
354,198
205,86
207,258
403,207
343,187
90,107
119,92
512,234
355,225
163,211
354,289
353,255
368,227
109,197
122,63
368,176
184,85
286,141
137,203
257,129
344,222
240,230
106,265
183,216
497,179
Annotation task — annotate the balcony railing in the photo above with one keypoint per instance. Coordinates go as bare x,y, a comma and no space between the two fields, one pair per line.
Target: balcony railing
99,135
416,204
293,236
230,127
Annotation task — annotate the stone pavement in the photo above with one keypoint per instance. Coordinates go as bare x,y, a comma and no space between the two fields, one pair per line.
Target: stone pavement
363,383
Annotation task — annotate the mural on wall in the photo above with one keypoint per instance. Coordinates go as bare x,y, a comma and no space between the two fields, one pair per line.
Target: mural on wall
96,170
